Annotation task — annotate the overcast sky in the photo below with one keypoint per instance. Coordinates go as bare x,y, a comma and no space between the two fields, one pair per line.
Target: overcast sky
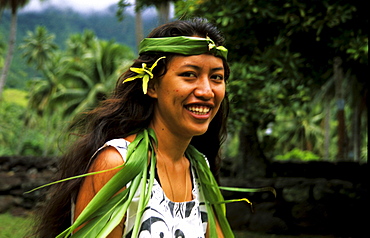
79,5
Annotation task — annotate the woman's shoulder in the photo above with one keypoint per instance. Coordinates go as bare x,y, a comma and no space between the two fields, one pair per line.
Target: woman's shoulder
111,154
115,149
107,158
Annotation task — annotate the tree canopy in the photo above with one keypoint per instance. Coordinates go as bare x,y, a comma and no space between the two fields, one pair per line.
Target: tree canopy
282,53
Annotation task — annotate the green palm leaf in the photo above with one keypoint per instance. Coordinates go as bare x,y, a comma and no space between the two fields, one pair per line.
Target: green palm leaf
104,212
212,194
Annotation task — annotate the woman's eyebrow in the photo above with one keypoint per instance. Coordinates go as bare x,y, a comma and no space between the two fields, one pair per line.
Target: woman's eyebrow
196,67
217,69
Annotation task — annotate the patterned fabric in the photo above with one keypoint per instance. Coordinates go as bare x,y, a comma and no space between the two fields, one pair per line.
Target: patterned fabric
163,218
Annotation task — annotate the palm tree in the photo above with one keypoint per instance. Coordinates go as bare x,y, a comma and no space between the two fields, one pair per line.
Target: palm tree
43,89
79,44
13,5
90,79
39,48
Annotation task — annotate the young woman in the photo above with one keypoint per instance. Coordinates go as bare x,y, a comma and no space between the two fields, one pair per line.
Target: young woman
174,94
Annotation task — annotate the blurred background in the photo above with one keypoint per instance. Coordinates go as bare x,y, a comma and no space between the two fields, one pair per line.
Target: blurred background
298,92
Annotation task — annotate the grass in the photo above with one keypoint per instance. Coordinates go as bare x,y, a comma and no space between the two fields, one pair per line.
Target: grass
16,96
14,227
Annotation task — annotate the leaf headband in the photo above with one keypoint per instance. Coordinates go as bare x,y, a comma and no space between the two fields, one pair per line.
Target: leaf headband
184,45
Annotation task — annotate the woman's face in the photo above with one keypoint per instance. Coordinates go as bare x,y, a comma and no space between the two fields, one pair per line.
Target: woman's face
189,94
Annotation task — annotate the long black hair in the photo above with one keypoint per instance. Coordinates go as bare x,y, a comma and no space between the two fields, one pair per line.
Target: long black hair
126,110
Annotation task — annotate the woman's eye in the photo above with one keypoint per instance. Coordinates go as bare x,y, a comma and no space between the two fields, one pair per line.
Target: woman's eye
218,77
188,74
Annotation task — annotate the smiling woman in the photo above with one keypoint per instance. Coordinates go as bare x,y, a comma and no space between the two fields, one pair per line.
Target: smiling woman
188,95
156,141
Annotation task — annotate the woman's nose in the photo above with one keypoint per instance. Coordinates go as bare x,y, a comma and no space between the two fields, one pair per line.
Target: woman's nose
204,89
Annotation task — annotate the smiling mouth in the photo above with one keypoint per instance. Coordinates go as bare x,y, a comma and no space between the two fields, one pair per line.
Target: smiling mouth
198,109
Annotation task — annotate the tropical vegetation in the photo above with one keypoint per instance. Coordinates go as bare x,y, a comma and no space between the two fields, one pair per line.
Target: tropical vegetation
71,81
299,77
298,84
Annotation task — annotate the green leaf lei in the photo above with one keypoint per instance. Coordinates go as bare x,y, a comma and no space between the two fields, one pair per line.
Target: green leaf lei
108,207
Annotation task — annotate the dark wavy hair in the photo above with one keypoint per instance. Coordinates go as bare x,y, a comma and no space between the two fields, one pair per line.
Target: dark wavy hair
125,111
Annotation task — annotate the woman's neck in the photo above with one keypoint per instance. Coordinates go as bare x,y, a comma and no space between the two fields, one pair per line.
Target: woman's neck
170,145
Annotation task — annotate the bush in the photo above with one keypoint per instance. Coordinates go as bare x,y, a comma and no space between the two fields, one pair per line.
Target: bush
298,155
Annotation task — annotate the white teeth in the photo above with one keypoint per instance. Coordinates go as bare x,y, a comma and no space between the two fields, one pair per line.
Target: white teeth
199,110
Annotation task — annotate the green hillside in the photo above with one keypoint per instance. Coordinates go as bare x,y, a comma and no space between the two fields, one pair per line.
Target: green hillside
63,23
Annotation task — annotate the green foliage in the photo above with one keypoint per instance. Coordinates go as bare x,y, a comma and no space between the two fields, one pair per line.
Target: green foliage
38,47
365,148
299,126
250,99
298,155
24,134
11,116
70,81
89,77
12,109
77,78
122,5
105,26
231,150
281,54
358,49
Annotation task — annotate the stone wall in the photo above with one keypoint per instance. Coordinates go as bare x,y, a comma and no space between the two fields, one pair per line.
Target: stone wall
312,198
19,175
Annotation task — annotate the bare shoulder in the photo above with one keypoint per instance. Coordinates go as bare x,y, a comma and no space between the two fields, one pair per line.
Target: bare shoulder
108,158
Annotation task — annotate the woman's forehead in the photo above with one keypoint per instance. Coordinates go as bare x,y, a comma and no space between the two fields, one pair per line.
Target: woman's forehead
202,60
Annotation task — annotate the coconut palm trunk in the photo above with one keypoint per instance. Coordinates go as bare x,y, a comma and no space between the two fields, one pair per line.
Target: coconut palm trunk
9,55
163,10
138,25
13,5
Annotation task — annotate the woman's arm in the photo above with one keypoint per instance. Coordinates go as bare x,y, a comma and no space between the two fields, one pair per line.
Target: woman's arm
108,158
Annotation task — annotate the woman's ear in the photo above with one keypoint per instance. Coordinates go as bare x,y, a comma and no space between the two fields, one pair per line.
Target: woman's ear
152,89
